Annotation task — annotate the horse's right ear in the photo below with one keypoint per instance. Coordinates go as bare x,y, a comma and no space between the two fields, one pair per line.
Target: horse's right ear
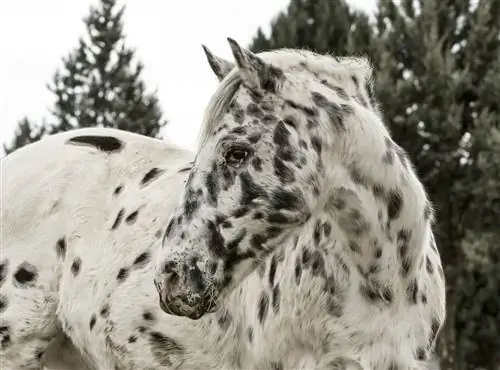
221,67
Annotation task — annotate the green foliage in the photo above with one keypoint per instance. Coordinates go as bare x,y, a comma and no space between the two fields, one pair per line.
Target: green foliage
26,133
99,84
323,26
478,314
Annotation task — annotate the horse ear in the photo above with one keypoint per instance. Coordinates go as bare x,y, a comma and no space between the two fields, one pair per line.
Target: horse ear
221,67
256,73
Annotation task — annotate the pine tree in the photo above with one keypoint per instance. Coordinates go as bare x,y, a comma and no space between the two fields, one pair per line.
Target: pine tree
100,84
26,133
323,26
439,83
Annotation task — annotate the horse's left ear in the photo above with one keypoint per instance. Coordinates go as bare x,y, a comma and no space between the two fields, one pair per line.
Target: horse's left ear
221,67
256,73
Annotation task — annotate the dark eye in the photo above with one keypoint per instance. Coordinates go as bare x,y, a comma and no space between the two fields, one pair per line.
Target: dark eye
235,156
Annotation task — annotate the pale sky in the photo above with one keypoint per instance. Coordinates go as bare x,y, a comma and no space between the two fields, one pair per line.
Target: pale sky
167,34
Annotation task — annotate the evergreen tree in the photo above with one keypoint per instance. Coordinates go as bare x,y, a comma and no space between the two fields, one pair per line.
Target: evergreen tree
100,83
323,26
26,133
439,83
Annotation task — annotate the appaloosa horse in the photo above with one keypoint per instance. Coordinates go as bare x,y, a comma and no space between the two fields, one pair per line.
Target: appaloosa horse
298,237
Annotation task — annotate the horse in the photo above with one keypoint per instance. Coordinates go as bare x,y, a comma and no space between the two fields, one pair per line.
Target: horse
297,236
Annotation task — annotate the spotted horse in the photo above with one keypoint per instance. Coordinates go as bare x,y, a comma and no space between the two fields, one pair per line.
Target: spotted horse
298,236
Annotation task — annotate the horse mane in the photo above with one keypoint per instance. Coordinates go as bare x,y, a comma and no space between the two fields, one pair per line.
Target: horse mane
342,69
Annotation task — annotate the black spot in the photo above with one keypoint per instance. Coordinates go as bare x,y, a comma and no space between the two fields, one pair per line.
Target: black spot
151,175
306,256
132,339
250,189
75,266
412,291
285,174
61,248
276,299
378,191
26,274
354,246
216,241
276,366
334,302
92,322
378,252
122,274
191,202
316,144
104,312
281,135
250,334
369,293
105,143
291,122
272,270
298,270
421,354
142,259
428,265
405,266
327,229
395,203
212,186
224,319
118,190
5,337
334,111
387,295
317,233
256,163
257,241
318,264
185,169
3,271
287,200
308,111
263,307
118,219
148,316
340,92
164,347
131,218
39,352
403,239
278,218
3,302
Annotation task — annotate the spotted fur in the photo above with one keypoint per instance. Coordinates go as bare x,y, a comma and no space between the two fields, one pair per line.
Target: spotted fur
290,238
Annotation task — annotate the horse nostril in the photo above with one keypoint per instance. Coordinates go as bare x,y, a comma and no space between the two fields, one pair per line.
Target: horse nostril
172,278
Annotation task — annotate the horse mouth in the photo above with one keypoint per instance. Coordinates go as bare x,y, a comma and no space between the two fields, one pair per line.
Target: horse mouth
178,308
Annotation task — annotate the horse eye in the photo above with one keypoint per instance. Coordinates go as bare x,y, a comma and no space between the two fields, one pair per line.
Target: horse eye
235,157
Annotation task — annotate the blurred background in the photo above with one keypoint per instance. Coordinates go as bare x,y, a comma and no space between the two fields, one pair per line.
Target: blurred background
139,66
